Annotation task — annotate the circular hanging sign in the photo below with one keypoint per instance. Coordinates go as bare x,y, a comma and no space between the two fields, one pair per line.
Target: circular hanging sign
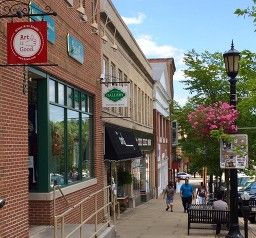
27,42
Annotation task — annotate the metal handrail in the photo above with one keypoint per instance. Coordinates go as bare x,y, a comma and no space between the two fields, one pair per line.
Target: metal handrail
110,203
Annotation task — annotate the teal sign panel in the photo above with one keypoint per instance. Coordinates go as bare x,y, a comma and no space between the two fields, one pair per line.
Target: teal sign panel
51,34
75,49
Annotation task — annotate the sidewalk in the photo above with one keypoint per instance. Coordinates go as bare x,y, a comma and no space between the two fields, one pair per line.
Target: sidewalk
150,220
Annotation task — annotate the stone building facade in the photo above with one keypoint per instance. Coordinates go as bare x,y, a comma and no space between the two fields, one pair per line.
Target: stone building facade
123,63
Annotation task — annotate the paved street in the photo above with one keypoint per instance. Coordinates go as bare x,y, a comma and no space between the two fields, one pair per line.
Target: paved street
151,220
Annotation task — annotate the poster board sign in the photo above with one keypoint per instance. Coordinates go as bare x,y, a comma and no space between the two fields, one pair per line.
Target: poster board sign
234,153
115,95
26,42
75,48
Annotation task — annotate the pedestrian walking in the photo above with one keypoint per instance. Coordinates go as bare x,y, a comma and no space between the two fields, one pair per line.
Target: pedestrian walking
168,196
187,194
219,205
201,194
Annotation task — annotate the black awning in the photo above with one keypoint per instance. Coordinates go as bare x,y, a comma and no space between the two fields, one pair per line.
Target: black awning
120,144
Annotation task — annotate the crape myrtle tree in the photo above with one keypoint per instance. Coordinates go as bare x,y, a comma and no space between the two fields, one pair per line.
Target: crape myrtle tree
207,82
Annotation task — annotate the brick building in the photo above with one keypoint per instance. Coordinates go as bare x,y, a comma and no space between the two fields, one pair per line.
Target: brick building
51,119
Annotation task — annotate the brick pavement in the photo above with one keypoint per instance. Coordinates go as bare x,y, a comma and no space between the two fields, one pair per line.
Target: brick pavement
151,220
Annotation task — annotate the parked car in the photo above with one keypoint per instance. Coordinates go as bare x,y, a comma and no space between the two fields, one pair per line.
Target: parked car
250,191
242,179
183,175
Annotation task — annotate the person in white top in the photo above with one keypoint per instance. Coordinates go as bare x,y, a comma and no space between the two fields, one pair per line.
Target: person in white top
219,205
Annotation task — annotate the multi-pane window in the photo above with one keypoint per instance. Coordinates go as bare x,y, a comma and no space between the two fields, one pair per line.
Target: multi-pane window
105,68
71,137
131,101
113,79
126,108
135,111
113,72
120,79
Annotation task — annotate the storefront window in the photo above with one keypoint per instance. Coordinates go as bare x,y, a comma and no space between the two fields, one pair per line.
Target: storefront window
61,95
71,137
136,176
83,102
69,97
52,90
87,166
57,165
77,99
73,147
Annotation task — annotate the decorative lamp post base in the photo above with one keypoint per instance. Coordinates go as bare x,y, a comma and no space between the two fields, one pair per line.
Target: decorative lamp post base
234,232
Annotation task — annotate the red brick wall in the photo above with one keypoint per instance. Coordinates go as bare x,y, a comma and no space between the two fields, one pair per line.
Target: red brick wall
15,216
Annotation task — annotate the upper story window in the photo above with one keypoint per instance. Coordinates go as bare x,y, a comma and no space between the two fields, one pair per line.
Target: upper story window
113,72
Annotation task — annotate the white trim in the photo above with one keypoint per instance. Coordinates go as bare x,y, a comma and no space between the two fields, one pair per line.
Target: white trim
66,190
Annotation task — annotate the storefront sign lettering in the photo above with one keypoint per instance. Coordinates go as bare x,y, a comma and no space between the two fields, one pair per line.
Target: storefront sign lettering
115,96
75,49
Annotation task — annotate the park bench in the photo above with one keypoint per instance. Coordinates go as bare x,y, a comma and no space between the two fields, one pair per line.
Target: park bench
205,214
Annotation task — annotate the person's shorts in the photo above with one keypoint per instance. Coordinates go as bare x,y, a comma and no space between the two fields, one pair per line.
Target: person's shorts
169,200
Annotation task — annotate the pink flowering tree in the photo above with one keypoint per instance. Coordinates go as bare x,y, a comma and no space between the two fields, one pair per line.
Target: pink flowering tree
214,120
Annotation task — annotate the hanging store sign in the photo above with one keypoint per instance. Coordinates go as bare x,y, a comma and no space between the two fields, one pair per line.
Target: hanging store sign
234,152
26,42
115,96
51,34
75,49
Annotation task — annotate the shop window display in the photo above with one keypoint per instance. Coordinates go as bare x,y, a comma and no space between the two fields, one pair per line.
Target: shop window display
65,150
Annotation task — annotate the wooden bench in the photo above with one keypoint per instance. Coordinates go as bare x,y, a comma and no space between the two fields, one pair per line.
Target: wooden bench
205,214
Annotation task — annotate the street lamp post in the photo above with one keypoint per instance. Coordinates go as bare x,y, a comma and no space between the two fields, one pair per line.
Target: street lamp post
231,59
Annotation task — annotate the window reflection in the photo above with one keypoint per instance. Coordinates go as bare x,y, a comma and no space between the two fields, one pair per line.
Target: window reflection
87,166
69,97
57,163
71,137
52,90
61,94
72,146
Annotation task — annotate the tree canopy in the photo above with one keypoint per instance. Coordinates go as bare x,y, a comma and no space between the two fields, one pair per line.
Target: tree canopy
208,82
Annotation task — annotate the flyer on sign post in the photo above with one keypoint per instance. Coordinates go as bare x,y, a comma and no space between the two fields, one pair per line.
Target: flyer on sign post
234,152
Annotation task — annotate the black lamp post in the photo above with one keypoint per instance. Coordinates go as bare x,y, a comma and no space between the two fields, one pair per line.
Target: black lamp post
231,59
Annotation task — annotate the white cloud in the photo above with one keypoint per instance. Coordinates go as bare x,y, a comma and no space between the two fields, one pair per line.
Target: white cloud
134,20
153,50
179,74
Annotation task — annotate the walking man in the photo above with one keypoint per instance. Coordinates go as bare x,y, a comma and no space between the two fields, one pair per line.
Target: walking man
186,193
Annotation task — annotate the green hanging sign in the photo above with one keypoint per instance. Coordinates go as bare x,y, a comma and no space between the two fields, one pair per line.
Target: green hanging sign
115,94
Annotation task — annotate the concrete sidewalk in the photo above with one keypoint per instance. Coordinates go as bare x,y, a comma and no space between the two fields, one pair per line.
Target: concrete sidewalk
150,220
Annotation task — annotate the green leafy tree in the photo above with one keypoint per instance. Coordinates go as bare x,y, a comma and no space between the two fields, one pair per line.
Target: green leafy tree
250,11
208,82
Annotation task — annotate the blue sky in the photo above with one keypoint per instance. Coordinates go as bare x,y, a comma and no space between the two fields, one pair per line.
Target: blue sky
168,28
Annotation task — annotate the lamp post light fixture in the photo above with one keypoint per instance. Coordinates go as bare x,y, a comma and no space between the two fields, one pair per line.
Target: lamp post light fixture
231,60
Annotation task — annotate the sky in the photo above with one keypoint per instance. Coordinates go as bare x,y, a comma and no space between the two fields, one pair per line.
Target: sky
170,28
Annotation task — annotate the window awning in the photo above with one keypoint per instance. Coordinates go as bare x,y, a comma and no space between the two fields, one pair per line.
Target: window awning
120,144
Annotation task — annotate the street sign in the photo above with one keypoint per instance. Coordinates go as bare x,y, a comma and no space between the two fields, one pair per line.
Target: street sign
234,152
